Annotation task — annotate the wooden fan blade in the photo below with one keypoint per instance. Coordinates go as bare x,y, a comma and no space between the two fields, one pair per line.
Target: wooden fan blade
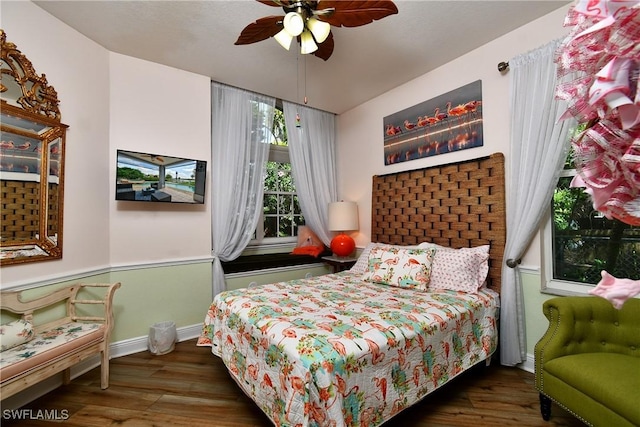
275,3
355,13
325,49
260,30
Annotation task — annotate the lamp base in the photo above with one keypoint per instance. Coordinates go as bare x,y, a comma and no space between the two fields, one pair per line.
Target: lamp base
343,245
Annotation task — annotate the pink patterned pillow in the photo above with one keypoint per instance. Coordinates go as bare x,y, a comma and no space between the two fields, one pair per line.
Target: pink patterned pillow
463,269
362,263
404,268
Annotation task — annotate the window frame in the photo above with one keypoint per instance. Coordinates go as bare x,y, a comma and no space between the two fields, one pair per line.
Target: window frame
549,284
280,154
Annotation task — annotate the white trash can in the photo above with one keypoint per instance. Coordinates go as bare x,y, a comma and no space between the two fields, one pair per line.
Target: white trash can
162,338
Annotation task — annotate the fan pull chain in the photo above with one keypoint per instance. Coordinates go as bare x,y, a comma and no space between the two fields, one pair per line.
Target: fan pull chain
297,87
305,80
297,77
298,124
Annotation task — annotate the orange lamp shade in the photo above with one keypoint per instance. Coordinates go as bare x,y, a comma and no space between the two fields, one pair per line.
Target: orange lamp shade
343,245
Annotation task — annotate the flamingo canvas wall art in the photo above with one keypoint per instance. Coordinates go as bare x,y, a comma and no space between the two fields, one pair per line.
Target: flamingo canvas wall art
446,123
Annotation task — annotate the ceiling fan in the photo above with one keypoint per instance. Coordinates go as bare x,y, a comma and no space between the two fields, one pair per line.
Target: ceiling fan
310,22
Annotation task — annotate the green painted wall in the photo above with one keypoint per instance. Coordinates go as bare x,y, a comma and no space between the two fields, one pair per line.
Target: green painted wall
181,294
536,323
152,294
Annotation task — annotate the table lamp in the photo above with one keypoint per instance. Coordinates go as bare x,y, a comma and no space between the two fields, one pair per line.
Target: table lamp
343,216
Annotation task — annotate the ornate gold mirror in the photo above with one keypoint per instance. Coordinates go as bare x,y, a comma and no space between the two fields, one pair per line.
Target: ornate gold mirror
31,162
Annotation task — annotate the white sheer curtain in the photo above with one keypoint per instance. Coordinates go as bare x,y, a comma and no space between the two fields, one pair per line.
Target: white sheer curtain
312,154
539,143
240,133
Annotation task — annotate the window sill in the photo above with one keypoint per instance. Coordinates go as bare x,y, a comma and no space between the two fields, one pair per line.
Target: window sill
562,293
269,248
561,288
265,261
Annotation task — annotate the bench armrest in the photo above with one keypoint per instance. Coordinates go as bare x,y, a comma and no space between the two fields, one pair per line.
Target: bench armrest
107,301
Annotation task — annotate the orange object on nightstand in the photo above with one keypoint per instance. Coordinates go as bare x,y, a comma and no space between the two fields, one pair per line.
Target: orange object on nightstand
343,245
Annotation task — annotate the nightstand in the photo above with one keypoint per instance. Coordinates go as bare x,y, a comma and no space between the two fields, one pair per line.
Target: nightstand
339,263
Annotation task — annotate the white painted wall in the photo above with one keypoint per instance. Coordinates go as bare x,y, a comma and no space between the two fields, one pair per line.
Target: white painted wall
112,101
78,69
160,110
360,131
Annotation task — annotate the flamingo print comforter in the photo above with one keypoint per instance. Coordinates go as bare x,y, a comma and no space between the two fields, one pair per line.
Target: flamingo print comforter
334,350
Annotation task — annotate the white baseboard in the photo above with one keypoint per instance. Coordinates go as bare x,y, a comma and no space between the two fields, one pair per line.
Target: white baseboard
117,349
139,344
528,365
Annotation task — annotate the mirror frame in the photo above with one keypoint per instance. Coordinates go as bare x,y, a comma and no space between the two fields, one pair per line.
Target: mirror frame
32,212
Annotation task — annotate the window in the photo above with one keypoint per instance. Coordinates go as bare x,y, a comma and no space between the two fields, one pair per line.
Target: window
281,213
583,242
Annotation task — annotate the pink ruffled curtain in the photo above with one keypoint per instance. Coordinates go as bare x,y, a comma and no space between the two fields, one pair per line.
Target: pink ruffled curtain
604,48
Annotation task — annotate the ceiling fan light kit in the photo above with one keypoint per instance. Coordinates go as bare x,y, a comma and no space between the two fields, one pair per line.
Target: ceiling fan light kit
307,44
319,29
310,21
284,38
293,23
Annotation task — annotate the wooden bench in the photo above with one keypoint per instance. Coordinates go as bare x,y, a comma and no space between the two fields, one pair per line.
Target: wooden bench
80,329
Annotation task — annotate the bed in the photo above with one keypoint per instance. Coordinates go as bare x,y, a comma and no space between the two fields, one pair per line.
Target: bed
357,347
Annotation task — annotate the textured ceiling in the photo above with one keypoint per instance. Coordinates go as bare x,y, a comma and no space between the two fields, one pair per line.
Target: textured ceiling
199,36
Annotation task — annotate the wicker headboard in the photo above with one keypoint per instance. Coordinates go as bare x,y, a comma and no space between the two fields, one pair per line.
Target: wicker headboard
456,205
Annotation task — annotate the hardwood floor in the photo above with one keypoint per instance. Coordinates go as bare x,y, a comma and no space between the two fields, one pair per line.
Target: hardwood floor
191,387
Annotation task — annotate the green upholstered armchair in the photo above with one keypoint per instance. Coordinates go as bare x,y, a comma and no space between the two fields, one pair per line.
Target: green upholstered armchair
588,361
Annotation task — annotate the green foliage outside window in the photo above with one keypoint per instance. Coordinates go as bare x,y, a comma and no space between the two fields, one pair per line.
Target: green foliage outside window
282,214
279,130
585,242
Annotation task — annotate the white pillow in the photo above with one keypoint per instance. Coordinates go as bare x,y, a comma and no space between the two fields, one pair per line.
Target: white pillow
14,333
363,260
463,269
400,267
